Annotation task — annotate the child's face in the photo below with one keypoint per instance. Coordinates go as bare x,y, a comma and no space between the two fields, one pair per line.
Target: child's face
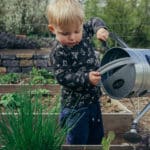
68,35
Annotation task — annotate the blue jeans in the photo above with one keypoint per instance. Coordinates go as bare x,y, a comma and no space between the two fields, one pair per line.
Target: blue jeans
85,124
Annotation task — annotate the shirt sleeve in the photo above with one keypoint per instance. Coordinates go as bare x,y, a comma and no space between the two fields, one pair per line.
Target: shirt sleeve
93,25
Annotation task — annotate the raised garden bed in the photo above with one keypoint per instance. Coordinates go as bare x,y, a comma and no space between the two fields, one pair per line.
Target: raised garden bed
96,147
118,121
37,78
116,116
116,127
9,88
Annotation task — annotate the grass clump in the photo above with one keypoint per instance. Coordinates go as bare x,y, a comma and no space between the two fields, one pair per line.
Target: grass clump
29,128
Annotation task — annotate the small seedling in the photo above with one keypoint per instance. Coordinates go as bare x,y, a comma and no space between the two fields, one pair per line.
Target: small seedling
106,141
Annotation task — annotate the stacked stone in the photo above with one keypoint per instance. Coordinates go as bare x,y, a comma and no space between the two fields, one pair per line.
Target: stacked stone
24,60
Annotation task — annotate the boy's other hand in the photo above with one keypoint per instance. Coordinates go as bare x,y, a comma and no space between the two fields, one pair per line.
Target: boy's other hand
102,34
94,77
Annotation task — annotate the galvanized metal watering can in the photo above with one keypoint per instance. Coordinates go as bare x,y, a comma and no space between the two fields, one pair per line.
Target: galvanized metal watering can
126,71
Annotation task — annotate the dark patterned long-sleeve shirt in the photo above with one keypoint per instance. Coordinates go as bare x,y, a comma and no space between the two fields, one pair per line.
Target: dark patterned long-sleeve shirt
72,67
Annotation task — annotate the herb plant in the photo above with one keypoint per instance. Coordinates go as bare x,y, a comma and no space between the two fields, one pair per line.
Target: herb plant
29,128
9,78
10,100
106,141
36,76
41,76
41,92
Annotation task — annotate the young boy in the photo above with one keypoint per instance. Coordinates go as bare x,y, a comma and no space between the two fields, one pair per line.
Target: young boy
75,66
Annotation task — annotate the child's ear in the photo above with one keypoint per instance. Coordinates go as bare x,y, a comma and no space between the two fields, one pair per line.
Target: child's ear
51,28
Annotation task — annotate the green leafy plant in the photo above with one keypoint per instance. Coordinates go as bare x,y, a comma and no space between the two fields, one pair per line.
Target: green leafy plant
41,76
46,74
42,92
35,71
36,76
9,78
29,129
106,141
38,80
10,100
57,105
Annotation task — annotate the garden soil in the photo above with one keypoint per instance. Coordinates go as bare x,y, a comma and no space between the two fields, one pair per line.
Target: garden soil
135,105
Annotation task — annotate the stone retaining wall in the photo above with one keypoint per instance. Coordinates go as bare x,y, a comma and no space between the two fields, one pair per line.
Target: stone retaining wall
23,60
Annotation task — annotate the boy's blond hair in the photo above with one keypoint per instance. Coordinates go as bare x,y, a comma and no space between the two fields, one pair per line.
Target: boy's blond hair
65,12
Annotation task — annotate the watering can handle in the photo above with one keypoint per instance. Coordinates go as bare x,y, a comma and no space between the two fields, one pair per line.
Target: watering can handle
115,37
115,63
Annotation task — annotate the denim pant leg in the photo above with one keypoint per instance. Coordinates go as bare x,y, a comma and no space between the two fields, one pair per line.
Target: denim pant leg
77,123
96,132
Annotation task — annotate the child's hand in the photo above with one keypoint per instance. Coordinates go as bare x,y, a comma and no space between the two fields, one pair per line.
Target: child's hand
102,34
94,77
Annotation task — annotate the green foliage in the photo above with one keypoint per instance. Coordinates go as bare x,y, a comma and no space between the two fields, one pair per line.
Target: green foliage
10,100
38,80
42,92
41,76
24,17
29,129
46,74
128,18
106,141
36,76
128,21
9,78
92,9
56,107
142,27
124,17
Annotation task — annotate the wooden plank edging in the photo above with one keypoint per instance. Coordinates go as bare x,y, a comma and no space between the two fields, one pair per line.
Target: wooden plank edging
96,147
9,88
120,123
